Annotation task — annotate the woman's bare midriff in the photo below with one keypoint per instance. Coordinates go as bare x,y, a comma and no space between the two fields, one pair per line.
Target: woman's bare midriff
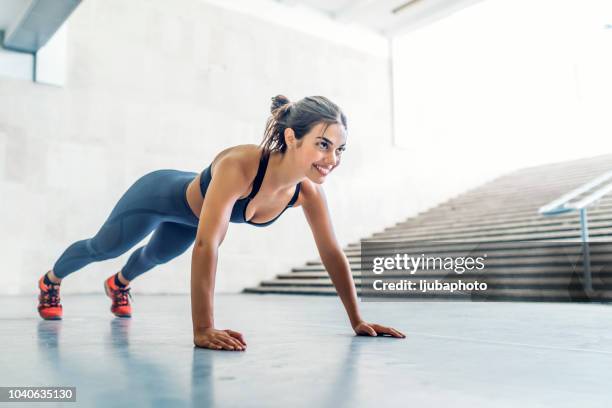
194,194
195,198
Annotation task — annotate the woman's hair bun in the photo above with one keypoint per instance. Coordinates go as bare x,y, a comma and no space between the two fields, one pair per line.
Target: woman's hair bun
279,101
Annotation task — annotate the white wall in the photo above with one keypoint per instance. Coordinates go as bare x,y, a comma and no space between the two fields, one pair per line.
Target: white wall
505,84
16,64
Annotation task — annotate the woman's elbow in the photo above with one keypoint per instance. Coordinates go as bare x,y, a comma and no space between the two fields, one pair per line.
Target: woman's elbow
206,245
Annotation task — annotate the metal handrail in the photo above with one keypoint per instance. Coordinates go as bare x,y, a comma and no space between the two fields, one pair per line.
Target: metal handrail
564,204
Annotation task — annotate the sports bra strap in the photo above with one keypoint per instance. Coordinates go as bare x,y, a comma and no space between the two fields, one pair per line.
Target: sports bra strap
261,171
295,195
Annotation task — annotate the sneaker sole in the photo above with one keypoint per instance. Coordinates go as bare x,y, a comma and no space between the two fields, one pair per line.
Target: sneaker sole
51,318
106,290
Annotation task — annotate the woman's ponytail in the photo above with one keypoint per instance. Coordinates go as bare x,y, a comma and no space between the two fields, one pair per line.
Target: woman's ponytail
274,135
278,102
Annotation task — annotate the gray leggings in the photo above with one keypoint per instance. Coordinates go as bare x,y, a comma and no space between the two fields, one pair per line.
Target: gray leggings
156,201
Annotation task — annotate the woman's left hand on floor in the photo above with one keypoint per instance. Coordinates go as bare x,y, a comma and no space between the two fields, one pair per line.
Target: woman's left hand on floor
372,329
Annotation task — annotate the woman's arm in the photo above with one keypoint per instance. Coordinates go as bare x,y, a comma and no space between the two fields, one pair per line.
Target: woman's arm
203,271
339,271
224,189
316,211
337,265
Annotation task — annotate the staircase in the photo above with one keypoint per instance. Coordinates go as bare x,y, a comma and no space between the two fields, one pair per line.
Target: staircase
527,253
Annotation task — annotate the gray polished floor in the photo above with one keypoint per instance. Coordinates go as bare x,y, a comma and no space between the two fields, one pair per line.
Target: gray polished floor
302,353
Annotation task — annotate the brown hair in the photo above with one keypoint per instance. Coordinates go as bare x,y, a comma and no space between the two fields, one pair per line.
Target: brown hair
301,116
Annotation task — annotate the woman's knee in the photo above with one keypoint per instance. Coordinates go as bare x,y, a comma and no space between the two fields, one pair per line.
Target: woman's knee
158,257
100,252
169,241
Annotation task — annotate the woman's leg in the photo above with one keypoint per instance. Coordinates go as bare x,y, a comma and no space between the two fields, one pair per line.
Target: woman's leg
151,200
127,224
111,241
119,233
156,198
168,241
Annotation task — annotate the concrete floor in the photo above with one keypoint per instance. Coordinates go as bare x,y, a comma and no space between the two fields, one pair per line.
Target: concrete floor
302,353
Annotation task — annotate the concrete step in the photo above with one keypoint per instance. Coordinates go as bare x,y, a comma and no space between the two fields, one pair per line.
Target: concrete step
493,210
459,234
531,295
491,223
502,272
520,190
495,245
537,221
432,219
494,250
512,200
561,263
492,236
548,176
492,282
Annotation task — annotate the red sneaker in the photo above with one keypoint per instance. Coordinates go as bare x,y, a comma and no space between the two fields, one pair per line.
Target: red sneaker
121,304
49,306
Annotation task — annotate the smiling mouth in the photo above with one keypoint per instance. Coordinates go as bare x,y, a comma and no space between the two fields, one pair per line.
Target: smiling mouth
323,170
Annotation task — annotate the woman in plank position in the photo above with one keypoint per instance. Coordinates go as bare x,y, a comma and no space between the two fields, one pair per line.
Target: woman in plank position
303,143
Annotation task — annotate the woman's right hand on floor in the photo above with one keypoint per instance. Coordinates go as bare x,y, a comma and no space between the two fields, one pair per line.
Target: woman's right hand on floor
220,340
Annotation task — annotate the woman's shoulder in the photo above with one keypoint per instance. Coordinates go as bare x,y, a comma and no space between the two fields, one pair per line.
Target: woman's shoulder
309,191
240,152
245,156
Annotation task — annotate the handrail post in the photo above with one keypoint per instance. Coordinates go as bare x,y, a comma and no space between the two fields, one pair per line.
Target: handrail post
586,260
572,202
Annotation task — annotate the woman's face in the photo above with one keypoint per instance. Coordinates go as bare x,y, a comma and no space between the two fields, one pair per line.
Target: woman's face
320,152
